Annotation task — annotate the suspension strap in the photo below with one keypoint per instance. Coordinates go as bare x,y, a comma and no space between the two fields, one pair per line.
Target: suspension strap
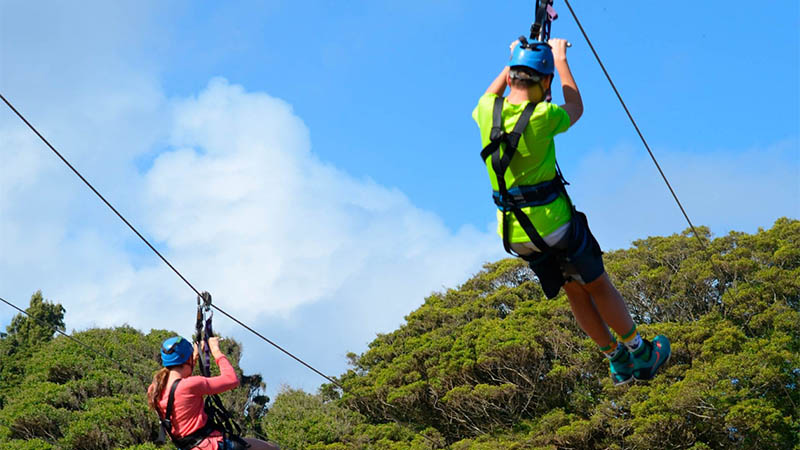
219,418
203,332
545,15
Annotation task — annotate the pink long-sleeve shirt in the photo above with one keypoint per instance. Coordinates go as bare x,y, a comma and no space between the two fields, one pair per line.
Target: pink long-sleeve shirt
188,414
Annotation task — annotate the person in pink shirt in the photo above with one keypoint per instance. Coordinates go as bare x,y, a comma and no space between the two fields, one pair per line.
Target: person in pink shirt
189,426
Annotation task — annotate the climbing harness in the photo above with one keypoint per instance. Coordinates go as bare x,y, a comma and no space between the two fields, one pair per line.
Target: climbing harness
511,201
219,418
549,263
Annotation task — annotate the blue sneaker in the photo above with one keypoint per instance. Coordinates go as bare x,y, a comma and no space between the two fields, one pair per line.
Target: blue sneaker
649,357
621,367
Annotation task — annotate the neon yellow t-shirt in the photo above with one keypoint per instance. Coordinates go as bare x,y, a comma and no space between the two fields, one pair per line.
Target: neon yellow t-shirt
534,162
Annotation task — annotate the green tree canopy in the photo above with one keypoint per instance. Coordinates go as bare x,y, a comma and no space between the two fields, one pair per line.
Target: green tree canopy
65,396
492,364
496,365
44,318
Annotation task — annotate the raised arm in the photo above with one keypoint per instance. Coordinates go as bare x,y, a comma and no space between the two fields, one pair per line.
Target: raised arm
226,380
573,104
499,84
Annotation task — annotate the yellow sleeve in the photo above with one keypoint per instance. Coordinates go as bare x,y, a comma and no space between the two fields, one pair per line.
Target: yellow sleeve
558,118
485,103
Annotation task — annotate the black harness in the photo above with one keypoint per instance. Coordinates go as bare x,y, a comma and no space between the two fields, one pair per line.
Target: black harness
191,440
219,418
511,201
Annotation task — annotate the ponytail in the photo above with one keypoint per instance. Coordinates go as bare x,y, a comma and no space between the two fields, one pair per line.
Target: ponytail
157,387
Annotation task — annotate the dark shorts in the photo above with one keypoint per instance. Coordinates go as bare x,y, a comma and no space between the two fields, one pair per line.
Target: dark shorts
228,444
576,257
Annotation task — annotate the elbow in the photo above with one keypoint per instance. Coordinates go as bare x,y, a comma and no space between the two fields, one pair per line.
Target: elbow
576,113
234,382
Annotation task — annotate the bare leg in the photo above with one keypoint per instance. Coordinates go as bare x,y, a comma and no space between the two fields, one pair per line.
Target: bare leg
610,304
257,444
585,312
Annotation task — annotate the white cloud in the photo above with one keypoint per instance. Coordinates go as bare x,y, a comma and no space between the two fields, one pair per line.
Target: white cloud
244,209
732,189
285,229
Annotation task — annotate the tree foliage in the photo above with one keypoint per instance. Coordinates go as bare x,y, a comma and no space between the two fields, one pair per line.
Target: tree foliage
496,365
492,364
63,396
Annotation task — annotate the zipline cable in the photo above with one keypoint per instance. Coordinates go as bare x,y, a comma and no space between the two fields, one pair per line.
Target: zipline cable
248,328
74,339
630,116
156,251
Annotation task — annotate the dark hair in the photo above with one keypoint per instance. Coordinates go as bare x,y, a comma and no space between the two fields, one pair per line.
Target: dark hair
525,77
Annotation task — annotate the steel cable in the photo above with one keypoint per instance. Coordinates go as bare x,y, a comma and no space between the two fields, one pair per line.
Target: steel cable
638,131
121,217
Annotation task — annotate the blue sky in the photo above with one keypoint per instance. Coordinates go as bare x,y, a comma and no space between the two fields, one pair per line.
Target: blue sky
683,77
315,164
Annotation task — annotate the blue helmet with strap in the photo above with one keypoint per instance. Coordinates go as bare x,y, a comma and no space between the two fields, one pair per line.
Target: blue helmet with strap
535,55
176,351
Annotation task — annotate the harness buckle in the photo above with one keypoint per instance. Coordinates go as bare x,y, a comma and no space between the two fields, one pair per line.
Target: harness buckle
505,203
497,134
205,299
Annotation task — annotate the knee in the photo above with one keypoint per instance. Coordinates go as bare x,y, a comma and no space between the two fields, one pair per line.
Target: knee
601,286
576,292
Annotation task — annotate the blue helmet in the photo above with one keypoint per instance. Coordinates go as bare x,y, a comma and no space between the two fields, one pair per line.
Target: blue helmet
176,351
535,55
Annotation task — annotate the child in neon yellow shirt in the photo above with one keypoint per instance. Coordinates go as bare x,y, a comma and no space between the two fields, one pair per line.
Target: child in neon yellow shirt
536,218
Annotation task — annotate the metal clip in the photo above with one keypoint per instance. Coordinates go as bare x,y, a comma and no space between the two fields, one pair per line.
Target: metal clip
204,299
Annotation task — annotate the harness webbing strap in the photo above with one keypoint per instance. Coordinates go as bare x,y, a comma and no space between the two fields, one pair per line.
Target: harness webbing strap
191,440
219,418
171,403
501,163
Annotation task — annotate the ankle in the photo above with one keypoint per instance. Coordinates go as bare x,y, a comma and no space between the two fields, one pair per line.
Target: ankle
632,339
644,350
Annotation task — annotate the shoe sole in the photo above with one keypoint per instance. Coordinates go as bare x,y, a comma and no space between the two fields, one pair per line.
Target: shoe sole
623,383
